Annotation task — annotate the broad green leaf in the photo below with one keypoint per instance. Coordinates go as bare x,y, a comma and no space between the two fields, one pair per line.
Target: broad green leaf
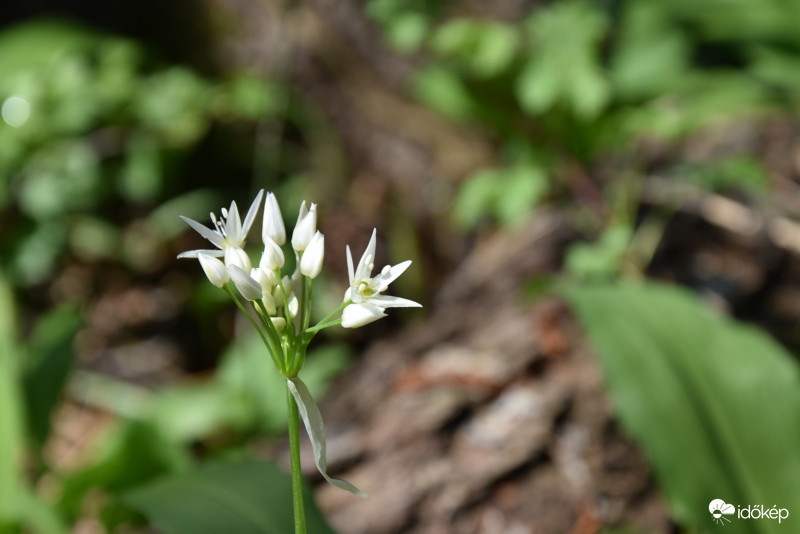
135,453
714,404
49,359
244,497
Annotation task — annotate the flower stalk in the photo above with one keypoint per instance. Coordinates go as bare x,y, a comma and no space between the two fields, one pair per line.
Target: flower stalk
280,307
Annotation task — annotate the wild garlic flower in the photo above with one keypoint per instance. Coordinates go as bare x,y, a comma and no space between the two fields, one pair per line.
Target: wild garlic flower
228,234
366,303
280,303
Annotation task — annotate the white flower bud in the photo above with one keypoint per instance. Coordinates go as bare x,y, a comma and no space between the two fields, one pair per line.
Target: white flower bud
355,315
214,269
305,227
267,280
249,288
238,257
272,259
294,305
273,221
279,323
288,288
311,262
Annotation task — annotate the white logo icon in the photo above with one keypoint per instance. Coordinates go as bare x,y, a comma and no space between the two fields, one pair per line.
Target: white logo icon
719,509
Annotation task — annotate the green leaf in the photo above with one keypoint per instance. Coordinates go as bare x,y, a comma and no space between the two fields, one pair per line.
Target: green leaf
50,357
11,483
714,404
134,453
243,497
485,48
477,196
444,91
563,65
406,31
523,187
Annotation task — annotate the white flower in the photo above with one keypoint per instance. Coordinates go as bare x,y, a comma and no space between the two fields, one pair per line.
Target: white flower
273,221
272,259
311,262
249,288
305,227
355,315
228,232
214,269
367,290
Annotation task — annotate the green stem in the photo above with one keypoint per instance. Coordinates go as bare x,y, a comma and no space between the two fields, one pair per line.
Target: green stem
297,479
326,322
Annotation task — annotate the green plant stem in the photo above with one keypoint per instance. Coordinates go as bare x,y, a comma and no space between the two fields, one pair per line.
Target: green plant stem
297,479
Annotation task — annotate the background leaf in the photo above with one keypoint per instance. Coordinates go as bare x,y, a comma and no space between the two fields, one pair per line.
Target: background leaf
244,497
715,404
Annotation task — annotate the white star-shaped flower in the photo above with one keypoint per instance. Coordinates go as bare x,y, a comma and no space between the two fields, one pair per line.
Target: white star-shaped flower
228,234
367,302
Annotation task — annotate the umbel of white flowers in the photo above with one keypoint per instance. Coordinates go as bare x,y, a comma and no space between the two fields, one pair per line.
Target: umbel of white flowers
280,304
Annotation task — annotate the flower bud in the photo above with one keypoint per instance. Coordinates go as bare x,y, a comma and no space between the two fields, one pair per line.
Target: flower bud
311,262
249,288
305,227
279,323
355,315
214,269
273,221
272,259
267,280
238,257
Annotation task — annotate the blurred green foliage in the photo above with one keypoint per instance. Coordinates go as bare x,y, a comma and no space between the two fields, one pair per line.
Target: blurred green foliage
90,121
580,80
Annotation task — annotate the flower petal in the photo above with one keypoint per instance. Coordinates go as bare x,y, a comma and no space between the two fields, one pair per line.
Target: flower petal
251,214
215,238
195,253
233,226
391,276
312,420
350,271
249,288
386,301
364,270
356,315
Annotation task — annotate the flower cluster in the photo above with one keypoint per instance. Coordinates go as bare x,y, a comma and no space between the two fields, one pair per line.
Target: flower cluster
281,303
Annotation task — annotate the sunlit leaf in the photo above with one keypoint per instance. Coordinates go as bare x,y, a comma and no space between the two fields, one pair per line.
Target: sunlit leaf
713,403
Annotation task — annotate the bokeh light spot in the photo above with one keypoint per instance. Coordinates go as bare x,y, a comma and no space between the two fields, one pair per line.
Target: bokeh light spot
15,111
